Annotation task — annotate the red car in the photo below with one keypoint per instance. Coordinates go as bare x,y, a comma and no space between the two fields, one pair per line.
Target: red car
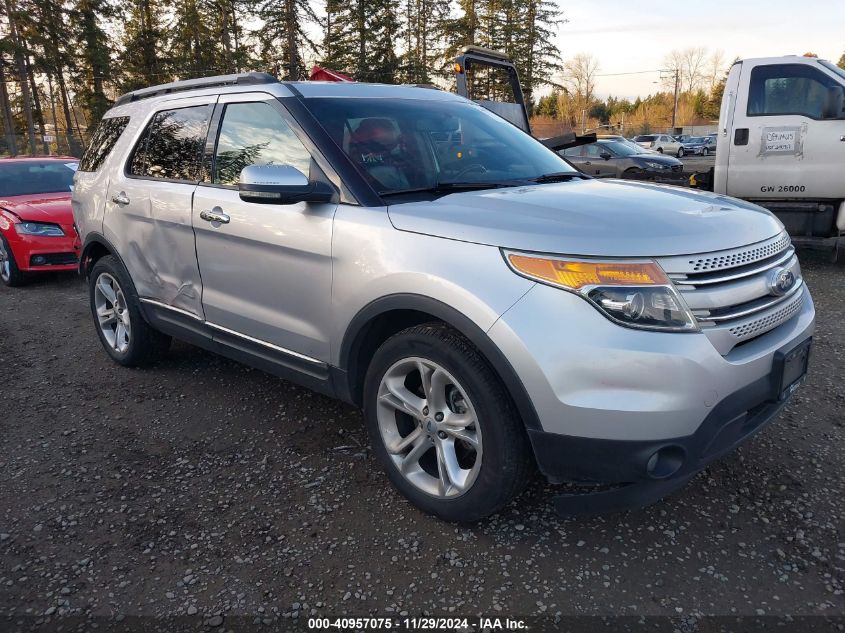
36,221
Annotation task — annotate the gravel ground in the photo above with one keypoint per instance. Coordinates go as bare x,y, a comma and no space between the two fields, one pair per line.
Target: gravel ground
200,487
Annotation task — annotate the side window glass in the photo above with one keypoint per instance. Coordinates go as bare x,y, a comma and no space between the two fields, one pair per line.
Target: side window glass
102,142
593,150
172,145
572,151
255,134
787,89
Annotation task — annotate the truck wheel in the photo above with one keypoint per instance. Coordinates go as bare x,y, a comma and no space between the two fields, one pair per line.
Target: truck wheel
10,274
442,425
124,333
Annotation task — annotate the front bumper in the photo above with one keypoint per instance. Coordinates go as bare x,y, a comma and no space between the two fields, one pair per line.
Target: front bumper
609,398
34,254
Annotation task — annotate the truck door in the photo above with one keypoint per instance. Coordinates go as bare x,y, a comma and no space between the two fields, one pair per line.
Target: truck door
786,141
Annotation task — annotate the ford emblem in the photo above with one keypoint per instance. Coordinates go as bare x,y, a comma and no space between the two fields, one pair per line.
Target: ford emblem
780,281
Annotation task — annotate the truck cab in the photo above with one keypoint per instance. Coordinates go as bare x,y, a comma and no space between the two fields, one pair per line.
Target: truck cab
782,144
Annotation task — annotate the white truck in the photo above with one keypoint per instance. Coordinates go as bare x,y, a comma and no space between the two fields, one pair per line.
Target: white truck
782,144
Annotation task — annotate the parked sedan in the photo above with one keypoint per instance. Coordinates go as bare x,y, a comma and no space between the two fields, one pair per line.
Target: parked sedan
699,146
662,143
615,159
36,221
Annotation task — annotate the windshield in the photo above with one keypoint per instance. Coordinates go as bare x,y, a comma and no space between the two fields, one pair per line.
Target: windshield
411,144
26,177
622,149
696,139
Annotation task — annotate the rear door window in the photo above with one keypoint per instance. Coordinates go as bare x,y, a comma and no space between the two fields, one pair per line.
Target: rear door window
102,142
172,144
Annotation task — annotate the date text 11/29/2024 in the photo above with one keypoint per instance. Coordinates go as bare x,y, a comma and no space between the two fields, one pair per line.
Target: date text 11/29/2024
458,625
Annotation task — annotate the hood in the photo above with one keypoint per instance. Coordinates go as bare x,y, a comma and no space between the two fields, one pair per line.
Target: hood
41,207
616,218
656,157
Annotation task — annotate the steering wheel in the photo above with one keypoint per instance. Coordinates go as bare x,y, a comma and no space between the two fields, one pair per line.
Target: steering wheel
470,169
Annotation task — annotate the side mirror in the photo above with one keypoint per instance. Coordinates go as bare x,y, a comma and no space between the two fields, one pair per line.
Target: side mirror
834,104
280,184
606,155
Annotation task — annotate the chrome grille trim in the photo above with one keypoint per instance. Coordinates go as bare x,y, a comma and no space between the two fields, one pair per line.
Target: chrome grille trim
750,328
705,316
730,258
686,280
729,292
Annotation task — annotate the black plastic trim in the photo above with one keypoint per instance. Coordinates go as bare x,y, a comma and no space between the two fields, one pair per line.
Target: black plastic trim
357,329
192,330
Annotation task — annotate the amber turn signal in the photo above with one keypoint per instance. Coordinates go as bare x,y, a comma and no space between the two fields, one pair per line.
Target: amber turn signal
578,274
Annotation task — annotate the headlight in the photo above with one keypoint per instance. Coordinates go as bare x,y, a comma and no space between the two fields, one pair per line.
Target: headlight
632,293
653,165
40,229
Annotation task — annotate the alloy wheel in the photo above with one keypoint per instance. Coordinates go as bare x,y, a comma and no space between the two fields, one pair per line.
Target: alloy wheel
112,312
429,427
5,266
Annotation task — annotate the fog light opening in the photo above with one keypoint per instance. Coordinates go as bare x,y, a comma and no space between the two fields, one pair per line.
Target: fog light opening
39,260
665,462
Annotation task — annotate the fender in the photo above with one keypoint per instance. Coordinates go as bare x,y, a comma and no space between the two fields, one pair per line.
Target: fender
357,329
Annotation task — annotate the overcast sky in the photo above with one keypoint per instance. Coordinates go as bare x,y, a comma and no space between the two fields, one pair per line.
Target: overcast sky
630,36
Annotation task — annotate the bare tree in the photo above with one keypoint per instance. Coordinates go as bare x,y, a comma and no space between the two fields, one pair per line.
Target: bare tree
691,66
579,76
715,69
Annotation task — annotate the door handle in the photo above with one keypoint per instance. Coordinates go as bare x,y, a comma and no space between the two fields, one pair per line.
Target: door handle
120,199
215,216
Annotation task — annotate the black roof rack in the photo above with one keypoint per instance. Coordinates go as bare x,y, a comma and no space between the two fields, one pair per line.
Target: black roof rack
240,79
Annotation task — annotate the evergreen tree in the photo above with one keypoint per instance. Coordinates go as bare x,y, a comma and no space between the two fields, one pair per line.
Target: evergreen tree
284,36
361,38
94,65
143,60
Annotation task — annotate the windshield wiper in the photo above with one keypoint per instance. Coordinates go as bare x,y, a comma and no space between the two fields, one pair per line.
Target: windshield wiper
560,176
443,187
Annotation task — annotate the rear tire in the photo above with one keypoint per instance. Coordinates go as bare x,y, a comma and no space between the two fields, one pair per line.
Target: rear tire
660,150
10,274
120,325
458,449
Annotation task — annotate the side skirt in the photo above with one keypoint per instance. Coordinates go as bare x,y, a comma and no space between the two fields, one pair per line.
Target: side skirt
302,370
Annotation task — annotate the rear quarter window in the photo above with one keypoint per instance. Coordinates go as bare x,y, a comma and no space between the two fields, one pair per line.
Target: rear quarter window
102,143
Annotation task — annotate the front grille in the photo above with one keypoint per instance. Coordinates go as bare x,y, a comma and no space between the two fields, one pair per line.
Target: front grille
729,292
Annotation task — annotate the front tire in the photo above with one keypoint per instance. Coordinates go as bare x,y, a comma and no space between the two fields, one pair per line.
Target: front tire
443,426
660,150
121,328
705,152
10,274
680,152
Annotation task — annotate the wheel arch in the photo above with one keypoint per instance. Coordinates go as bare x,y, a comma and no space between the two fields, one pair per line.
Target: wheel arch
389,315
96,247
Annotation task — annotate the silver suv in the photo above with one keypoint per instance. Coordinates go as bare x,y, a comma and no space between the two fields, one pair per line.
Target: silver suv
490,308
